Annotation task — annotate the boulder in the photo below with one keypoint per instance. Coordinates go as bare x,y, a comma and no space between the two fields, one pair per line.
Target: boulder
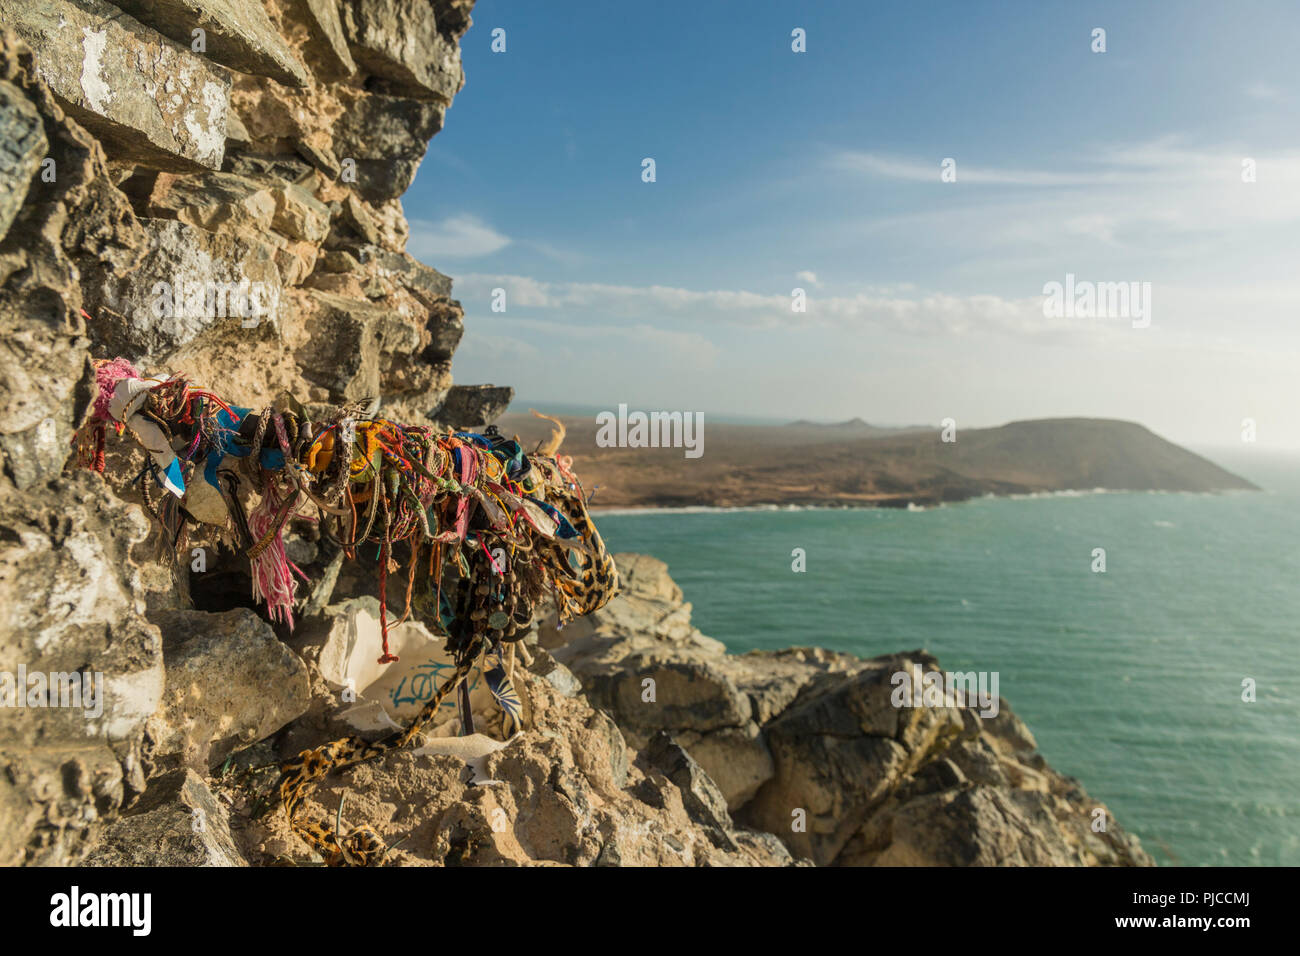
230,682
154,100
196,288
347,336
69,607
399,41
236,33
473,407
22,147
386,138
700,795
325,47
178,822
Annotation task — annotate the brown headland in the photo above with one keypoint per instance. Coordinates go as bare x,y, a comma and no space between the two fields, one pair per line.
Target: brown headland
857,464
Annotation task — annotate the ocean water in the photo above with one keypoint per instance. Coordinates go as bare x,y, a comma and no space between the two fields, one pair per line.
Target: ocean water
1131,679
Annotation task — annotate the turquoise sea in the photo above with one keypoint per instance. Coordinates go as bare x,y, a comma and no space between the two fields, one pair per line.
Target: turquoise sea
1131,680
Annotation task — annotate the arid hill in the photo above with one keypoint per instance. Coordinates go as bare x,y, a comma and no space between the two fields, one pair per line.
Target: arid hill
853,463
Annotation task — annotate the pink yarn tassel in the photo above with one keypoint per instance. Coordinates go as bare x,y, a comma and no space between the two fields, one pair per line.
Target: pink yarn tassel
272,570
107,375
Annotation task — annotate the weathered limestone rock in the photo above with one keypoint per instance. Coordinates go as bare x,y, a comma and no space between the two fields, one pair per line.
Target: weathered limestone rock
399,41
346,337
22,147
386,137
156,101
358,218
739,758
428,283
67,607
700,795
556,674
453,16
320,33
194,286
300,215
836,755
74,225
563,793
215,201
690,693
963,826
473,406
446,325
230,683
237,34
178,822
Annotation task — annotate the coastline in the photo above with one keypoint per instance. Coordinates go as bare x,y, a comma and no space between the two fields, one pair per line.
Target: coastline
902,504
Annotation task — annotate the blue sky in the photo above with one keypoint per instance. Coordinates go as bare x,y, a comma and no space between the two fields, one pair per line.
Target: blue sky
821,170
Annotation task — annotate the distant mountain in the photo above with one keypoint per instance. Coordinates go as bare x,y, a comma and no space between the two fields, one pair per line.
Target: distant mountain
855,463
857,427
1057,454
851,423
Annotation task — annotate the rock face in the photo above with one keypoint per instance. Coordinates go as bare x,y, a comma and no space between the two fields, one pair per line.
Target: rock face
209,187
213,662
568,791
153,98
179,822
67,607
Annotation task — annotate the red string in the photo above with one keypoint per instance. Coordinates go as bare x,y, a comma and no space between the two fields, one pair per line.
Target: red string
386,657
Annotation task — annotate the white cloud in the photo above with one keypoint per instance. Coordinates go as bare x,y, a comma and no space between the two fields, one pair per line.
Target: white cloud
919,171
636,307
1159,163
808,277
612,344
1096,226
462,236
1159,203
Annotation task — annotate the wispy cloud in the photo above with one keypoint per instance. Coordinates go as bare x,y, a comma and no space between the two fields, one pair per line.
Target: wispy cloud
1263,91
637,306
460,236
1162,162
879,166
1161,201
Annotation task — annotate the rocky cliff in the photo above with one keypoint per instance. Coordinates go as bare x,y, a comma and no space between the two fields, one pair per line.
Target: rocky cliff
214,188
202,187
